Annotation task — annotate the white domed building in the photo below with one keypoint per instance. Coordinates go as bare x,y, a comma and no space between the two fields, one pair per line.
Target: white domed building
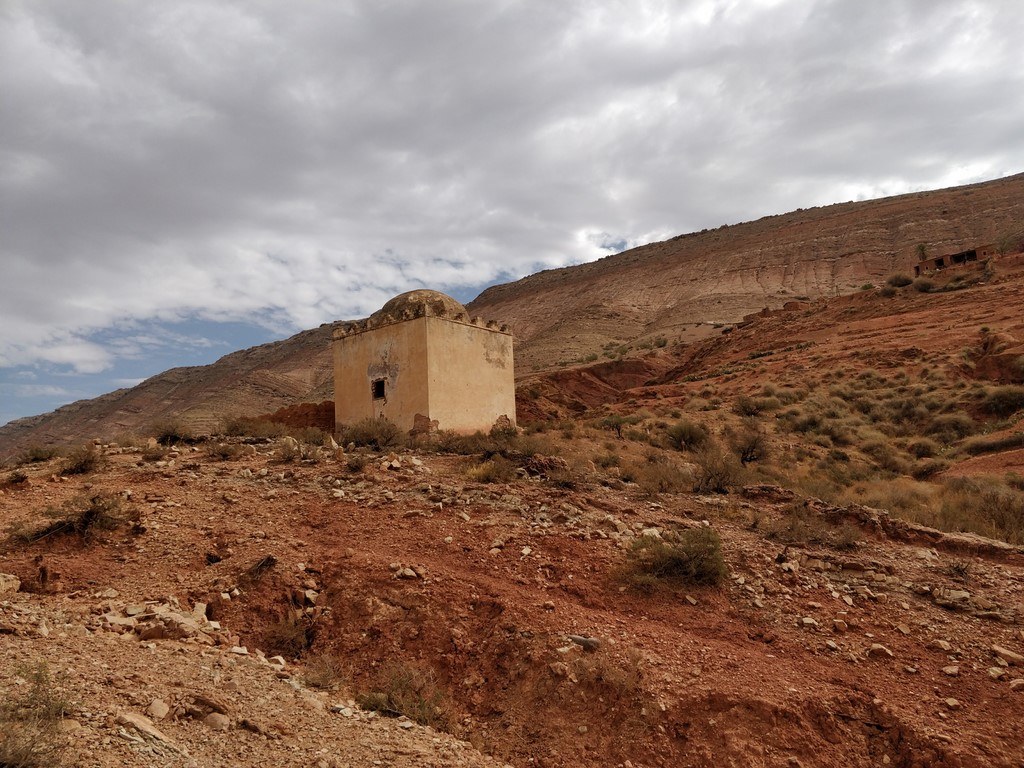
422,363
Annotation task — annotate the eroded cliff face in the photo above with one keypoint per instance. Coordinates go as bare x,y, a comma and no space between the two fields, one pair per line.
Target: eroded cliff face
678,290
680,287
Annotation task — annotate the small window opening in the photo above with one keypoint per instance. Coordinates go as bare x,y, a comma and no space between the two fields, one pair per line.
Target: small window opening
378,389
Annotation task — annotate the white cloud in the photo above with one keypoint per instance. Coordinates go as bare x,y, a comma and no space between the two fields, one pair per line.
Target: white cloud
244,161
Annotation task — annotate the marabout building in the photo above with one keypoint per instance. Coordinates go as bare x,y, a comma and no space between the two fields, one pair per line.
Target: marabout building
422,363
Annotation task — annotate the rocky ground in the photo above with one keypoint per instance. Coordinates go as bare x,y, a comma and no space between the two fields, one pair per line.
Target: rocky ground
195,628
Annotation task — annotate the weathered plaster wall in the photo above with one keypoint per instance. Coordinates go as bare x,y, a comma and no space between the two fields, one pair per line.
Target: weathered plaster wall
396,353
471,376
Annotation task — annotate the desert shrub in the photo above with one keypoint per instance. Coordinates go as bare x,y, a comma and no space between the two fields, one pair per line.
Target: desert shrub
984,505
923,448
446,441
980,445
887,291
309,435
923,285
1003,401
81,461
224,451
885,456
660,477
250,426
800,526
951,426
496,469
801,421
376,433
288,451
608,460
693,558
325,671
37,454
356,462
14,479
290,636
81,516
748,406
637,436
899,280
170,432
404,689
717,470
30,716
928,468
988,506
614,422
750,444
686,435
900,496
155,453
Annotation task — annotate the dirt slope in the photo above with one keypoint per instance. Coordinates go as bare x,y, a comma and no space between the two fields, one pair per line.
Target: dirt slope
505,597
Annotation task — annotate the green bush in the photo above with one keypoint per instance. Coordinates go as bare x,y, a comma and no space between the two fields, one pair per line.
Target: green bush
694,558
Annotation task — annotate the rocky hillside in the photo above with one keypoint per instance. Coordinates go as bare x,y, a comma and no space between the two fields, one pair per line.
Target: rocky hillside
231,607
681,287
674,291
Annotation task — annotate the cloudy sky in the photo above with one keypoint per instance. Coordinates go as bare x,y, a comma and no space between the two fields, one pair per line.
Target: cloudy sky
181,179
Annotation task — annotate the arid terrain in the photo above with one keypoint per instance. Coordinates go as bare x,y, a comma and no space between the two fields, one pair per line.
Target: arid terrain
793,537
680,290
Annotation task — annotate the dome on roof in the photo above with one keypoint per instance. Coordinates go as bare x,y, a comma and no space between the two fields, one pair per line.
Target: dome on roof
419,303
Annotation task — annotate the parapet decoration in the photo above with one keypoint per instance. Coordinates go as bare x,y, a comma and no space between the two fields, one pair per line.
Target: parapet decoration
419,303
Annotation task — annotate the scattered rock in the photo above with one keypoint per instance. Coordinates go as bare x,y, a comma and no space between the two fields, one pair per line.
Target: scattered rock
877,650
158,709
217,721
9,583
589,644
1011,658
143,725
